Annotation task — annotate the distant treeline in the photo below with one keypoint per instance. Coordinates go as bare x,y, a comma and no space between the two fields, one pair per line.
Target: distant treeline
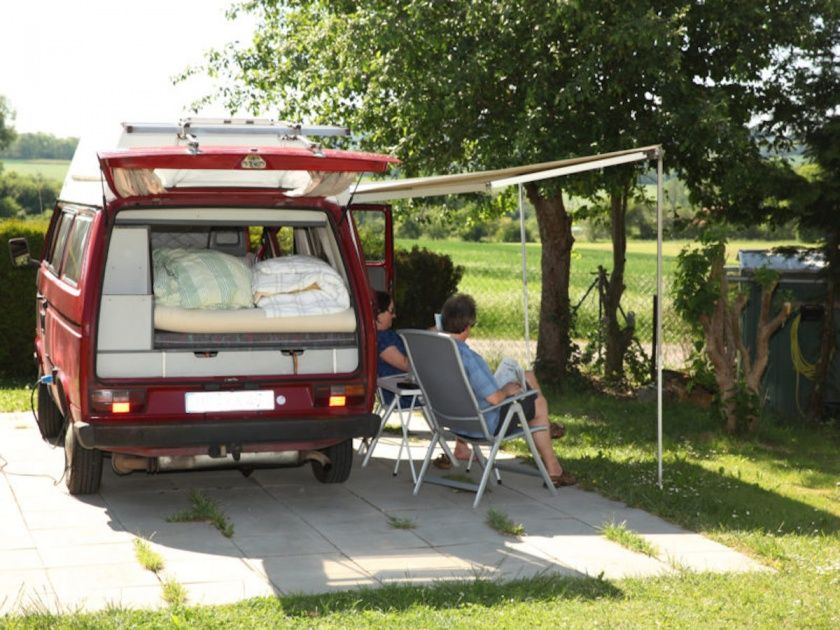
40,146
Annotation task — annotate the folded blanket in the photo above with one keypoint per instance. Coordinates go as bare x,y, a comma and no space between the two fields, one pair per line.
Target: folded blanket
298,285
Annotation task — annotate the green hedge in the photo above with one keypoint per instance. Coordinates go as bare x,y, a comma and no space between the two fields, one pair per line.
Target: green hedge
424,281
17,324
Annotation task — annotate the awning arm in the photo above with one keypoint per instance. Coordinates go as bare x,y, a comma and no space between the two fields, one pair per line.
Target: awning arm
568,170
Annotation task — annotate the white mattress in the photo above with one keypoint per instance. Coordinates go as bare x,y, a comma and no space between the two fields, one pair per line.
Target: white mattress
247,320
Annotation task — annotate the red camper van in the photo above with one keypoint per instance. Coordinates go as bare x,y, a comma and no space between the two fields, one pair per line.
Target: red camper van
203,301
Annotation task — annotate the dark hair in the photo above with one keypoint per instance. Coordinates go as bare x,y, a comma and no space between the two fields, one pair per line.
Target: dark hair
381,302
458,312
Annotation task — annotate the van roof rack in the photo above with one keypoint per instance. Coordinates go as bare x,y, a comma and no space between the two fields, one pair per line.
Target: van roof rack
239,126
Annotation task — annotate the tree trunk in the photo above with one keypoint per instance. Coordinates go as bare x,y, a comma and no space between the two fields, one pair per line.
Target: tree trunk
717,330
816,403
725,346
554,343
618,338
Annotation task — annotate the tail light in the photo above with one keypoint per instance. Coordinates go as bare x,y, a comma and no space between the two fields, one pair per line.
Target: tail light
339,395
117,401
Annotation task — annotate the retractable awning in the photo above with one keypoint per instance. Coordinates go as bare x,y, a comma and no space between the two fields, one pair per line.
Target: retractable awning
487,181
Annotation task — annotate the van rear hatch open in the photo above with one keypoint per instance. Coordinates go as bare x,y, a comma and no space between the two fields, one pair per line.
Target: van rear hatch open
295,171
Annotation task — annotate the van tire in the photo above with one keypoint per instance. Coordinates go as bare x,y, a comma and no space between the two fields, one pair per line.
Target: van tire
82,466
341,456
50,420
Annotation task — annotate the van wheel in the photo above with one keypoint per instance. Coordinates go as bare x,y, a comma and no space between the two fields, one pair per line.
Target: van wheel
341,456
50,420
82,466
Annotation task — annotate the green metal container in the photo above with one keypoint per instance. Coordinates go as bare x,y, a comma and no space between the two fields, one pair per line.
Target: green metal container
795,347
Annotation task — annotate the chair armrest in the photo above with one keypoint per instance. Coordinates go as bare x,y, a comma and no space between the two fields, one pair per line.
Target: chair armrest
392,383
517,397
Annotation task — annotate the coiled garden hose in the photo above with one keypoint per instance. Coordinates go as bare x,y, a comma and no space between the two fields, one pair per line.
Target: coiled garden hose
801,365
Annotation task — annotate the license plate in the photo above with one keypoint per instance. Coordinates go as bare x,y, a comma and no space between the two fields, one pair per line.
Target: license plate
203,402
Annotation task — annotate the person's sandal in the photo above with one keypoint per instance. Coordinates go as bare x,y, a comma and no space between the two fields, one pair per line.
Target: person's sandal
442,462
563,479
556,430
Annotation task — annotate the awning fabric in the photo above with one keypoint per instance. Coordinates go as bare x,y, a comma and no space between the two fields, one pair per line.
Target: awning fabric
484,181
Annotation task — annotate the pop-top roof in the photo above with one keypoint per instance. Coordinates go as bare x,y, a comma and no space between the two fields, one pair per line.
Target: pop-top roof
152,158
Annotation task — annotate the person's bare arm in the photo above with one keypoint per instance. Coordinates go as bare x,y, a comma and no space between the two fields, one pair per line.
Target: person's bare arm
510,389
392,356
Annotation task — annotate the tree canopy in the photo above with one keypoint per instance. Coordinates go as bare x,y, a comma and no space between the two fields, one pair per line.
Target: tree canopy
30,146
7,132
493,83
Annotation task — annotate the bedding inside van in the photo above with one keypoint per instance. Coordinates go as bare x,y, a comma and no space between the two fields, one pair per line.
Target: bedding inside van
202,290
292,286
246,320
200,279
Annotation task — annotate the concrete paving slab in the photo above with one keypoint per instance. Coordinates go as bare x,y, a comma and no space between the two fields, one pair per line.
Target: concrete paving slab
314,573
293,534
20,559
508,560
414,566
284,542
104,583
361,535
88,555
227,591
26,590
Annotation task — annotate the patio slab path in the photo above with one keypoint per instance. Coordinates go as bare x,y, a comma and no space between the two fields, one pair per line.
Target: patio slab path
293,534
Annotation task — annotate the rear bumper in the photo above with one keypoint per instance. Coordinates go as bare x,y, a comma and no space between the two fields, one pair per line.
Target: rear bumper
209,433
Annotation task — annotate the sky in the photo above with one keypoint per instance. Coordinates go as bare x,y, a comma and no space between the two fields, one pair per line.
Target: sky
68,67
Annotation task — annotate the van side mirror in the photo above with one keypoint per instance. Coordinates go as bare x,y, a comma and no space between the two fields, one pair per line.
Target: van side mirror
19,252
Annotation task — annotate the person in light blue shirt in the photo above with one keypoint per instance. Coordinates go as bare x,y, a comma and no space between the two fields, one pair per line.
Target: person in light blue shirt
459,318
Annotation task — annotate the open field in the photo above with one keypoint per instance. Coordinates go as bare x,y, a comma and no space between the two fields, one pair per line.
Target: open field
48,169
775,497
493,275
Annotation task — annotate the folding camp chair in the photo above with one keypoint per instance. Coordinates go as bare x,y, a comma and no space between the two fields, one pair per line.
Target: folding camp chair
454,411
398,385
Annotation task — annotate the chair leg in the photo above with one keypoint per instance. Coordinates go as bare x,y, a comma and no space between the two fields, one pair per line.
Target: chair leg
375,440
475,453
485,476
536,454
426,461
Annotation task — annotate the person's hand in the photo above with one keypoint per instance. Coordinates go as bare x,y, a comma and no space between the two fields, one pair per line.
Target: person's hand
511,389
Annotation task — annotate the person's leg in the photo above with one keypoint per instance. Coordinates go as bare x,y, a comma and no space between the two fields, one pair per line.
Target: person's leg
462,450
556,429
542,440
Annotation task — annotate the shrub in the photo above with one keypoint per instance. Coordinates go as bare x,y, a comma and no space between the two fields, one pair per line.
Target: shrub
510,232
17,326
475,231
408,227
424,281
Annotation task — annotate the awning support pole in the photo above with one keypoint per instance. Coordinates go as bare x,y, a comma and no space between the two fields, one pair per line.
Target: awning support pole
524,278
659,301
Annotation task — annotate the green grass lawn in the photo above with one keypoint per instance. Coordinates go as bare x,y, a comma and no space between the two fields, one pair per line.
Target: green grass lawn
775,497
48,169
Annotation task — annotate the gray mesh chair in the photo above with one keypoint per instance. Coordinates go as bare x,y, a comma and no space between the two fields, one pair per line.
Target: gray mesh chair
454,410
